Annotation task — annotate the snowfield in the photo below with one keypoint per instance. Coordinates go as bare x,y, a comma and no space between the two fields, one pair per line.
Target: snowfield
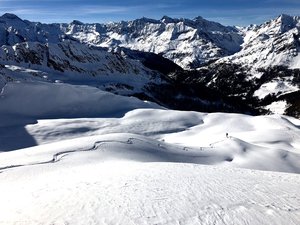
78,155
84,189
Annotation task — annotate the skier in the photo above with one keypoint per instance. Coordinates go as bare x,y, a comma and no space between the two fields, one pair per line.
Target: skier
226,135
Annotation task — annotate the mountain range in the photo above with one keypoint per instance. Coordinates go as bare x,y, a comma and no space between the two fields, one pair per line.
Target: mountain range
192,64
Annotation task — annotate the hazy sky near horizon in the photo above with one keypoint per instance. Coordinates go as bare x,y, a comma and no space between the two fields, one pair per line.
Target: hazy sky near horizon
228,12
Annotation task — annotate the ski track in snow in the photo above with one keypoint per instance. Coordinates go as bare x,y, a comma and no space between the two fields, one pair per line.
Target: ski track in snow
90,188
58,156
97,146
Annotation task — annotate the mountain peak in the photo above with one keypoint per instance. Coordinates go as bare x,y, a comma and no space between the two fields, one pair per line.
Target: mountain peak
285,16
285,19
147,20
167,19
198,18
77,22
286,22
10,16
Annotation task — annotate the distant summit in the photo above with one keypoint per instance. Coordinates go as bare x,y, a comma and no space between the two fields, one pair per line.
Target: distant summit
77,22
167,19
10,16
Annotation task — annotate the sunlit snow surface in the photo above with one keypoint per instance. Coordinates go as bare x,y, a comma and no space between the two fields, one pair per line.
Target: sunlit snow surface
278,107
275,87
98,158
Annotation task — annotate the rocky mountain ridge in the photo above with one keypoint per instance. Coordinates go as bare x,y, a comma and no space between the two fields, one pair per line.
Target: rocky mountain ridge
189,43
186,42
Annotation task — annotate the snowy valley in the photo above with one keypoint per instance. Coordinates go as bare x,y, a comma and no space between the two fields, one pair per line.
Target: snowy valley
99,125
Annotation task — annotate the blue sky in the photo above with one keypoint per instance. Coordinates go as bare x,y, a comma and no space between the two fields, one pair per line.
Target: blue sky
228,12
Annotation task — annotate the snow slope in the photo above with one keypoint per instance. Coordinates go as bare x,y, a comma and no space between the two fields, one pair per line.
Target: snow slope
84,156
202,136
275,87
82,189
23,103
47,100
253,140
48,113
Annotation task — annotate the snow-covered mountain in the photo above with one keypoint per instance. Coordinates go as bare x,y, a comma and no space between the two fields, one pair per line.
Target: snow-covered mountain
121,71
189,43
70,62
52,53
116,57
268,65
274,43
264,73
